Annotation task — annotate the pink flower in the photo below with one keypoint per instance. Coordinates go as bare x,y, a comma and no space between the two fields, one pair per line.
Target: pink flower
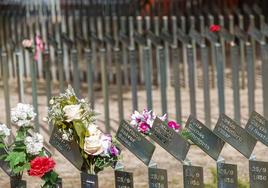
39,47
144,127
144,121
174,125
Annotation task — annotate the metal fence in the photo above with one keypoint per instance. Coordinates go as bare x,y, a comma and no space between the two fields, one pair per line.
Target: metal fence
174,51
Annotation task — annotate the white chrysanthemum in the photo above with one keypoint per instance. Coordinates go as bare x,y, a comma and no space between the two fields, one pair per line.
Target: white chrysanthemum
4,131
22,114
34,144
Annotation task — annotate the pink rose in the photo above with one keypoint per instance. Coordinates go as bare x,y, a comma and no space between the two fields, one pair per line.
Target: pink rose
144,127
174,125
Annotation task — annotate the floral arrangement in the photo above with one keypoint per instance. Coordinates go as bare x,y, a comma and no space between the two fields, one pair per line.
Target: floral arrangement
27,153
76,121
35,46
143,122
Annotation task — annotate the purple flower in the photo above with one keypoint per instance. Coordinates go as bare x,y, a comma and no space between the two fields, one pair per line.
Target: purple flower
114,151
174,125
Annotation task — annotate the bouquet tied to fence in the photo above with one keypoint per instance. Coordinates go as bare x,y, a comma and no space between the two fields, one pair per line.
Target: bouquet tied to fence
76,121
26,152
143,122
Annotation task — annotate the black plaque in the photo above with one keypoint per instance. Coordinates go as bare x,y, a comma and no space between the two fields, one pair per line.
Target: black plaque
123,38
109,39
227,175
211,36
265,30
89,180
166,37
224,33
193,177
69,149
204,138
182,36
236,136
258,174
196,36
135,142
241,34
157,178
139,38
154,38
123,179
257,126
256,34
4,164
170,140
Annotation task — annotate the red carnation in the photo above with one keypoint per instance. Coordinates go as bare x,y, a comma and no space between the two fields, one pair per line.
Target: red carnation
215,28
40,166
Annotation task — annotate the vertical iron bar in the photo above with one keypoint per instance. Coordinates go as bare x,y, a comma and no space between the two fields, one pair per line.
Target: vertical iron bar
105,89
235,82
250,77
191,79
206,89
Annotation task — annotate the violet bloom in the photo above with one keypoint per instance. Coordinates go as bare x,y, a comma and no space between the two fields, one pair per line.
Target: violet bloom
114,151
174,125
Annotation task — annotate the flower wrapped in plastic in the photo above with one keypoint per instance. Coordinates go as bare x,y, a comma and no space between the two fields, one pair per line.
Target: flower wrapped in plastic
76,121
26,147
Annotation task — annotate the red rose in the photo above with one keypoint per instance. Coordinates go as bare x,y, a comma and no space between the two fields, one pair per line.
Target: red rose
40,166
215,28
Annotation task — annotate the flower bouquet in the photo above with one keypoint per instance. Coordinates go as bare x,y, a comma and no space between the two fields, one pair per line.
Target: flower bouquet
168,134
143,122
75,122
26,153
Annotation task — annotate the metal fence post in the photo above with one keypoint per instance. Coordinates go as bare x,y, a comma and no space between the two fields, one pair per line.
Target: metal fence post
147,76
191,79
205,66
235,82
6,87
220,77
90,76
133,76
118,61
251,78
105,89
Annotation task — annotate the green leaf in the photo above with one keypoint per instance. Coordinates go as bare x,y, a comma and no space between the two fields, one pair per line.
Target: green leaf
19,169
2,145
14,158
80,130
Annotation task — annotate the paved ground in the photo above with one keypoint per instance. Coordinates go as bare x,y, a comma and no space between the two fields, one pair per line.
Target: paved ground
70,175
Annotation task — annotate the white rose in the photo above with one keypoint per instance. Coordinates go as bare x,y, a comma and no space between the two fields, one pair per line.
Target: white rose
93,129
72,112
93,145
